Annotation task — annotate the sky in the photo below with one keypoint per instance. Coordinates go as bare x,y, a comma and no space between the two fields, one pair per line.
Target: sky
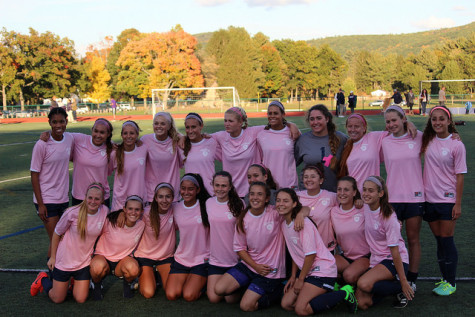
89,21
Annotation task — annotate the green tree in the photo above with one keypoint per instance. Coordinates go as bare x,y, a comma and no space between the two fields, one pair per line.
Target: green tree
273,68
7,72
452,70
331,69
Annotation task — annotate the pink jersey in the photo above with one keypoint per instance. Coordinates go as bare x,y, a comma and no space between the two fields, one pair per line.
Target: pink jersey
157,249
349,231
51,160
307,242
163,165
116,243
131,181
238,154
200,160
278,155
67,260
364,159
193,248
90,165
221,233
444,159
381,234
404,169
263,240
320,206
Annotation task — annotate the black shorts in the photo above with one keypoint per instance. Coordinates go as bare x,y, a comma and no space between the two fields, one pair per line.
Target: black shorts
78,275
389,264
112,266
327,283
54,210
408,210
367,256
153,263
200,269
439,211
106,202
217,270
257,283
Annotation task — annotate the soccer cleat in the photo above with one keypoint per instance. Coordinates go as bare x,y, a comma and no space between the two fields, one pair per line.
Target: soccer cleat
446,290
438,285
350,298
336,287
128,290
401,301
36,286
96,290
413,286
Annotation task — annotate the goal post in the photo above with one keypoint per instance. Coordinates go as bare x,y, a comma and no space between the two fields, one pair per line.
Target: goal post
219,98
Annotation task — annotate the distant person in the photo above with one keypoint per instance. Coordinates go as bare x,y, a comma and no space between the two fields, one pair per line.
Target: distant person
113,106
410,100
468,106
424,98
74,108
54,103
69,109
397,97
352,99
442,98
340,103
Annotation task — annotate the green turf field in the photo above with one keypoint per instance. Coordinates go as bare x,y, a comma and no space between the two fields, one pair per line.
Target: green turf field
28,250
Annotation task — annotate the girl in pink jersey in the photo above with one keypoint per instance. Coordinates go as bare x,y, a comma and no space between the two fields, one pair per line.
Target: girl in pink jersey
77,230
389,259
444,168
199,153
189,270
115,246
163,159
128,161
259,243
310,287
260,173
320,202
50,172
155,250
223,210
278,147
348,224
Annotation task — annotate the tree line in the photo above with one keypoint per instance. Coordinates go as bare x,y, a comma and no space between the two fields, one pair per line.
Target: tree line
36,66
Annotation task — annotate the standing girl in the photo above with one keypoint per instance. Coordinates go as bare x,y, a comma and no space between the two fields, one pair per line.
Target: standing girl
424,98
156,248
189,270
389,259
278,147
223,210
77,230
50,172
128,161
163,160
444,169
348,224
259,242
114,248
310,287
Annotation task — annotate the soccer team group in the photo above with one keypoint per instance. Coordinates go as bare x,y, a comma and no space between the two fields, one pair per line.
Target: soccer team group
246,234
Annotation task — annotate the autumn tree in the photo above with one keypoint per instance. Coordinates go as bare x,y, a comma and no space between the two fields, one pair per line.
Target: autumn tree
273,68
99,78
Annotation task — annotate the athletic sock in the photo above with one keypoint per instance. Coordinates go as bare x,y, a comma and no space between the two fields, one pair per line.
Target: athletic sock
412,276
326,301
128,293
47,284
451,258
386,288
97,291
441,257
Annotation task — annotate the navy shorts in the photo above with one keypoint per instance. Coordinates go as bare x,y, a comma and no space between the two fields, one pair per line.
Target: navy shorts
327,283
408,210
106,202
54,210
200,269
440,211
254,282
153,263
65,276
112,266
217,270
389,264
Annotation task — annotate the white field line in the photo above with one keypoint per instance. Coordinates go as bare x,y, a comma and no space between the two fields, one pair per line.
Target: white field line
18,178
19,143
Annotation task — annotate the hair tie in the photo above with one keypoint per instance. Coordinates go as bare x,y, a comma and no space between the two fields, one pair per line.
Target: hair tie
277,104
357,116
164,185
164,114
441,108
397,109
375,180
194,116
190,178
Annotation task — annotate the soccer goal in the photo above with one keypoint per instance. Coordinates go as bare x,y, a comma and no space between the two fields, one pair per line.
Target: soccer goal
218,98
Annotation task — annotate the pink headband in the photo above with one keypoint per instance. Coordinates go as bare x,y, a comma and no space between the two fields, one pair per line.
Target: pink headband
358,116
260,165
397,109
238,111
440,108
102,120
314,167
98,186
131,123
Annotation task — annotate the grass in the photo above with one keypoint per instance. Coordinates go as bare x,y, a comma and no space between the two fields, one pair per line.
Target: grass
27,251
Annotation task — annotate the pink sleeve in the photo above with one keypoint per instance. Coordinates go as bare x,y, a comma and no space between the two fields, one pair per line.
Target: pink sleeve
255,130
239,241
309,244
37,156
64,222
218,155
393,232
219,136
460,159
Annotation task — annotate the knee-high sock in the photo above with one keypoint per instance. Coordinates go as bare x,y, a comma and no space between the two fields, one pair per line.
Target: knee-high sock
451,258
47,284
441,257
268,299
326,301
382,289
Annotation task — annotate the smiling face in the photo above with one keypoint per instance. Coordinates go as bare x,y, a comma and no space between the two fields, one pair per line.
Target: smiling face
161,127
394,123
193,130
58,125
257,197
355,129
133,211
254,174
100,133
284,203
345,194
129,136
93,200
221,187
440,123
318,123
312,181
164,198
232,124
371,194
188,192
275,118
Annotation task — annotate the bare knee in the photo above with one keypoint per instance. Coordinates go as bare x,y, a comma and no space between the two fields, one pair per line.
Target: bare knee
147,292
286,306
365,286
80,299
248,306
350,277
191,296
220,289
302,310
57,299
213,298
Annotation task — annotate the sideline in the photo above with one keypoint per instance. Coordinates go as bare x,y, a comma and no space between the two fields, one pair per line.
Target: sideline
20,232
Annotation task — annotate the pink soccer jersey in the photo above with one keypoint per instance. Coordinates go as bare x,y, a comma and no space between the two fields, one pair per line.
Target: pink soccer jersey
307,242
157,249
193,248
263,240
404,169
51,160
83,248
116,243
278,155
381,234
221,232
444,159
131,181
200,160
238,154
364,159
320,206
90,165
163,165
349,231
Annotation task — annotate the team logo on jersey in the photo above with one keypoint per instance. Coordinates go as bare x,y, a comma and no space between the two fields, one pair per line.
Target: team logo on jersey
198,219
449,195
270,226
376,226
137,237
288,141
325,201
100,224
229,215
103,152
170,220
245,146
445,151
411,145
417,194
295,240
364,147
357,217
170,149
68,150
141,161
205,152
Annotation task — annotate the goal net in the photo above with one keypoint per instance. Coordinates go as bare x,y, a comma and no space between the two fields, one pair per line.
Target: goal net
194,99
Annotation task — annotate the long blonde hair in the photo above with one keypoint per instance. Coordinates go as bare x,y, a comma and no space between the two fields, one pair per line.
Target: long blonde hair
82,215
